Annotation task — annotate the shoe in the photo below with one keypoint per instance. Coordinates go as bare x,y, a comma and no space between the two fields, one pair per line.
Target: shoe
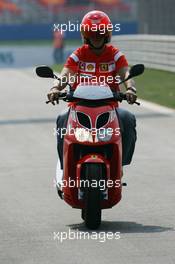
59,178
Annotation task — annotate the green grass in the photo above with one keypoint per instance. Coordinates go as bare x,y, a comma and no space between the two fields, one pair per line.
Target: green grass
37,42
157,86
25,42
153,85
57,67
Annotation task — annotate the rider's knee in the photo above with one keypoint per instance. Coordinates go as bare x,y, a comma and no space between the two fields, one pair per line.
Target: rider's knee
127,118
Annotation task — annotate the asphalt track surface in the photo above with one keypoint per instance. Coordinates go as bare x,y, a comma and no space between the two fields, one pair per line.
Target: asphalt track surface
30,211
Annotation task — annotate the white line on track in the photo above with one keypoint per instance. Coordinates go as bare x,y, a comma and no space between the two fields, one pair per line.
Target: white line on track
156,107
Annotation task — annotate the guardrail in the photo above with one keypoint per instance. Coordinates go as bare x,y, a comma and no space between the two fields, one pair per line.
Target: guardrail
154,51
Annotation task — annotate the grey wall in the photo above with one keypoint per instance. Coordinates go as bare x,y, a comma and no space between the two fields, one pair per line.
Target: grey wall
156,16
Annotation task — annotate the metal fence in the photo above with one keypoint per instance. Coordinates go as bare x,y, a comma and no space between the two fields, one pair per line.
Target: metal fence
156,16
154,51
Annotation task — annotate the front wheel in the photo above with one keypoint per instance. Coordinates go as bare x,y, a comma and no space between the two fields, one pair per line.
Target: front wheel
92,211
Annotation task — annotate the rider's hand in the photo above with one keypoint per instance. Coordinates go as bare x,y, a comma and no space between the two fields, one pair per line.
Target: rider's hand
53,95
131,96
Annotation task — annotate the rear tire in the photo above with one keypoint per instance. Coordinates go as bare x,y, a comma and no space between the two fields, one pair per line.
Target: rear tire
92,211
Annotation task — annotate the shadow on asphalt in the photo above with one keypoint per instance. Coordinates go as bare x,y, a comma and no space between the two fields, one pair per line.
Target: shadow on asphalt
123,227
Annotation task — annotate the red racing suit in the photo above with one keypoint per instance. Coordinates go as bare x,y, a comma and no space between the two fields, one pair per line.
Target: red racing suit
94,68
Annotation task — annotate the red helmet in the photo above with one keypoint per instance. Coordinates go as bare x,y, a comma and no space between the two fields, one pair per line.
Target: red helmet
96,24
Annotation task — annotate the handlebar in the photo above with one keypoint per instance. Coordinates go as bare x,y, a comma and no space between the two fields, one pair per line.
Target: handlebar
68,97
119,96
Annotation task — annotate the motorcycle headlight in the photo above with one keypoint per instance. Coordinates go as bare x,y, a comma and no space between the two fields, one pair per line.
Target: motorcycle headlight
104,134
82,135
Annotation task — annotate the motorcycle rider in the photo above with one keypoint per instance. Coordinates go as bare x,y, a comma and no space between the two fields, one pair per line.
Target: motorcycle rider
98,58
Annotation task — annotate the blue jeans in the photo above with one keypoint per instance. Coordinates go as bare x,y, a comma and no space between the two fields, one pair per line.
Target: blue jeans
129,135
128,130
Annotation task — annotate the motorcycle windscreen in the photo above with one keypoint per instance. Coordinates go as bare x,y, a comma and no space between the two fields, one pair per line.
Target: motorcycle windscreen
93,92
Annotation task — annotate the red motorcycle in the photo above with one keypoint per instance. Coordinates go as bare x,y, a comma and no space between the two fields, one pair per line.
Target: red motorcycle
92,148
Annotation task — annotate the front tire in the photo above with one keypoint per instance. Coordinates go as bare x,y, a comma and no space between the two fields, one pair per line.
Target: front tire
92,210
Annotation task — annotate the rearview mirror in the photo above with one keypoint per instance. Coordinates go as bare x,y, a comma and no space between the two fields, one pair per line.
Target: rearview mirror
44,71
136,70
